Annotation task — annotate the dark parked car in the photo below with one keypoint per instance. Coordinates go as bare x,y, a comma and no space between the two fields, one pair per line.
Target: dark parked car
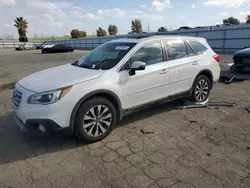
241,60
39,46
57,48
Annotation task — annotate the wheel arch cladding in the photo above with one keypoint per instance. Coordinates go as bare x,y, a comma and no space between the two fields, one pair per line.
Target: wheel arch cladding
112,97
207,73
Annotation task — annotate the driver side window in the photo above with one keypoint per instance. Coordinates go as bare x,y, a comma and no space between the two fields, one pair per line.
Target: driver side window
150,54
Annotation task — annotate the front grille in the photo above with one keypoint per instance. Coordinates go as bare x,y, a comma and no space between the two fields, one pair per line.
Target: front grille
16,97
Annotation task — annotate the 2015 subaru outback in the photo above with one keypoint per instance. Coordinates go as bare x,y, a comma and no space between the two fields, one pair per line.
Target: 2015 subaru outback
89,96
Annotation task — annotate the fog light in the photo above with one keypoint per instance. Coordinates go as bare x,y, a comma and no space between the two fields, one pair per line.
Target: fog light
42,128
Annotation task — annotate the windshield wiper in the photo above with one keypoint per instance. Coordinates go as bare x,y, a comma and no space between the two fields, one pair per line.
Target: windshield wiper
85,66
75,63
101,63
81,65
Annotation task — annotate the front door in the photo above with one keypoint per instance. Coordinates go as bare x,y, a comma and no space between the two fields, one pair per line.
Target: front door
149,84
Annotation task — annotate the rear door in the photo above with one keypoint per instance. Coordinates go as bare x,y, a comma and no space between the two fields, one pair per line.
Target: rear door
183,66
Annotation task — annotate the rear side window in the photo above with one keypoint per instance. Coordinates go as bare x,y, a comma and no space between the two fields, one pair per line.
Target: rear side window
176,49
198,47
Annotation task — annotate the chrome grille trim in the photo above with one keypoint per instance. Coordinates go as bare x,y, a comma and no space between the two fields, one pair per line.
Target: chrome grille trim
16,97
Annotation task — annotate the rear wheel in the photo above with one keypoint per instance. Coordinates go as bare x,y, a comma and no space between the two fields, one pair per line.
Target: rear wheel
201,89
95,119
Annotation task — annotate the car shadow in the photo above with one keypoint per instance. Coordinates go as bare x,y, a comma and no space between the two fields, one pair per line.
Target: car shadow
17,145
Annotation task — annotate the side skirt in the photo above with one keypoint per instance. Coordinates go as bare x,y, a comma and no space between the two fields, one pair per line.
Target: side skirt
157,102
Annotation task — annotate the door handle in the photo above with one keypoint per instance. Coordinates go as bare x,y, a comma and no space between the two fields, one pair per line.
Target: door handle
195,63
163,71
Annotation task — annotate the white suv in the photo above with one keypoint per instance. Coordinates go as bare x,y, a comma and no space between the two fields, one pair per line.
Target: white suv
89,96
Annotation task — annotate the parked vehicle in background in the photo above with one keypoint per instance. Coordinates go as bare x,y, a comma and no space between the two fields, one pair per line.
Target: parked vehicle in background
241,60
48,45
25,47
89,96
39,46
57,48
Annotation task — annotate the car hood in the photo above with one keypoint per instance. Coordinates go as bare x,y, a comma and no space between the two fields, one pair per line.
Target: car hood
58,77
243,53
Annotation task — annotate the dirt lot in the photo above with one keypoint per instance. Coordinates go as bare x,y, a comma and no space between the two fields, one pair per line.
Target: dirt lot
189,148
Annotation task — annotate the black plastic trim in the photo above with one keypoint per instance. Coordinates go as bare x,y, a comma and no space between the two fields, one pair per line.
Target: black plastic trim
210,72
50,126
157,102
101,91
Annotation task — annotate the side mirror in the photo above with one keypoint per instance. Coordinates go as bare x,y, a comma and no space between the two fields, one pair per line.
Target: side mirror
136,66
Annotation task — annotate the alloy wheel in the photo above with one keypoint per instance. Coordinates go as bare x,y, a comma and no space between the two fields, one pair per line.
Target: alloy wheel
202,90
97,120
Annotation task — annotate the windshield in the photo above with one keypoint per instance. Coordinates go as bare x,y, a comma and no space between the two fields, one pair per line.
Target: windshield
106,56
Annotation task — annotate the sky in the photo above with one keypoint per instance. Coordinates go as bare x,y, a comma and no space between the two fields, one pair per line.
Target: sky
49,18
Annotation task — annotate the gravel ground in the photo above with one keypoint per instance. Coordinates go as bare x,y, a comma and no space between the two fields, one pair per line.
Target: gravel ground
202,148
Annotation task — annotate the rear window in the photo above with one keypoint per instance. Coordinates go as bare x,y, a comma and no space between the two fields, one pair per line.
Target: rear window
198,47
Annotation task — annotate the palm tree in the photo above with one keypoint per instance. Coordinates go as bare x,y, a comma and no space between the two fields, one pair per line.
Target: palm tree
22,25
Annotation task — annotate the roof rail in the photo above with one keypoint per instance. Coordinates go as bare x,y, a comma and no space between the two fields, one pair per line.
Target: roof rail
138,36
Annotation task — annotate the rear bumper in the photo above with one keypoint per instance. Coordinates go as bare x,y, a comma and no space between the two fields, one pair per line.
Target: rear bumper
41,127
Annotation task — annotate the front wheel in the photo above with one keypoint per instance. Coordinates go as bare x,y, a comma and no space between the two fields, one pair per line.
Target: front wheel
95,119
201,89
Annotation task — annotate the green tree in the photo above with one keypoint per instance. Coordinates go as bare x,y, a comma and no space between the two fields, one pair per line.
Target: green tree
248,19
113,30
75,33
101,32
83,34
231,20
162,29
136,26
22,25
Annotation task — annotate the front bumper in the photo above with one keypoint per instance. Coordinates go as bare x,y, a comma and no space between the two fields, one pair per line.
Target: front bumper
41,126
54,117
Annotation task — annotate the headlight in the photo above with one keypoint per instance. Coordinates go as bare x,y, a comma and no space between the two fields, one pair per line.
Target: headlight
48,97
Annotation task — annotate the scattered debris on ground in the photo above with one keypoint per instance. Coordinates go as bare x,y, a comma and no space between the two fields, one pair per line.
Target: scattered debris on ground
209,105
146,132
208,154
248,109
230,76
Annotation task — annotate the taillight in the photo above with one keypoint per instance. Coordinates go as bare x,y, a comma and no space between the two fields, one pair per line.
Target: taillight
217,58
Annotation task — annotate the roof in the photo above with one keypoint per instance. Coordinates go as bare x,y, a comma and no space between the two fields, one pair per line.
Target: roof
139,39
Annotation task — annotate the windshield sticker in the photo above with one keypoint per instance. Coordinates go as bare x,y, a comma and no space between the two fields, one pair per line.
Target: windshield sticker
122,48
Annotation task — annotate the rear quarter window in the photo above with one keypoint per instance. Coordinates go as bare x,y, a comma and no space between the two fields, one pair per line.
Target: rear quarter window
198,47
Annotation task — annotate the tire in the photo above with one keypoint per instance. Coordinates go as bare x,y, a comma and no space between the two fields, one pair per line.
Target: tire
98,128
201,89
